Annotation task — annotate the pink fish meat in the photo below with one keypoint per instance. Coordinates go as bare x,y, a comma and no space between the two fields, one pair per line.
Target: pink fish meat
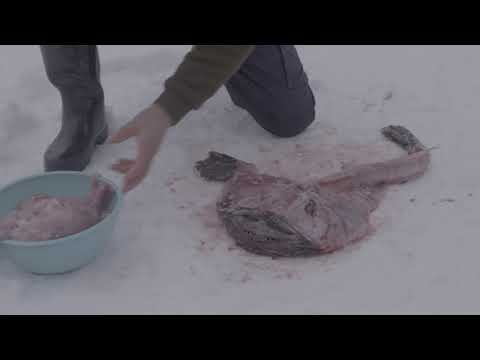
43,217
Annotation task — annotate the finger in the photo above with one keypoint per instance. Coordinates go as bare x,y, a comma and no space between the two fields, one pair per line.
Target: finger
129,183
135,176
123,166
123,134
124,162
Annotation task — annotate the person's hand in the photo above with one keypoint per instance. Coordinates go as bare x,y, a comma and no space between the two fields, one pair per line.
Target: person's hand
149,128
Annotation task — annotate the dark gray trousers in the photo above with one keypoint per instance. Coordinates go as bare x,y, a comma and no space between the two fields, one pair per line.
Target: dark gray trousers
271,85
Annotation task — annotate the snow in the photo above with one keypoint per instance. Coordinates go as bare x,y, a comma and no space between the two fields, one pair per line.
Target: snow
171,256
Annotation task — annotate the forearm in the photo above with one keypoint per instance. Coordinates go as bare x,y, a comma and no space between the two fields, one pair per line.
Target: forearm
203,71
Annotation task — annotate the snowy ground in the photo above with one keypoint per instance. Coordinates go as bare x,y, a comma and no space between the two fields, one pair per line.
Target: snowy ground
170,255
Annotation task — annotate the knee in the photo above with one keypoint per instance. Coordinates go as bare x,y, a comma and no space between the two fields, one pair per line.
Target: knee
290,124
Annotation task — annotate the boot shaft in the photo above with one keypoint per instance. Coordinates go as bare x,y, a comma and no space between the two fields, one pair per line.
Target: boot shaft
74,70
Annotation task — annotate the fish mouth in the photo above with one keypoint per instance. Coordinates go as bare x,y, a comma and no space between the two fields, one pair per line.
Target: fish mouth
265,233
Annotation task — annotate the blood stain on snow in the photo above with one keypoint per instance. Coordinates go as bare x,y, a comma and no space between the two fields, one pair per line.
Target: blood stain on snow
214,233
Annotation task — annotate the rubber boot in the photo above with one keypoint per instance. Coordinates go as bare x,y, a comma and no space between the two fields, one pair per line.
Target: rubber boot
75,71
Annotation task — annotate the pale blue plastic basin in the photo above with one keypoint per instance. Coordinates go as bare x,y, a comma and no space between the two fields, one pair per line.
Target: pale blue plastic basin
66,254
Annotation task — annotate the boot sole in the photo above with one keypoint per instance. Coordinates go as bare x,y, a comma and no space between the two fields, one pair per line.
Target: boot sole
78,164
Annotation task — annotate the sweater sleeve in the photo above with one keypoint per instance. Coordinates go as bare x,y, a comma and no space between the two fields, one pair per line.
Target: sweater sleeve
202,72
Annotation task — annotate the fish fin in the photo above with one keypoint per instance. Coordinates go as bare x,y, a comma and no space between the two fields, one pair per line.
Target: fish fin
404,138
217,167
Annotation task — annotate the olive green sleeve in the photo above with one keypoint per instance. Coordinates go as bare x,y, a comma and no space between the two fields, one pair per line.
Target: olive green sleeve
203,71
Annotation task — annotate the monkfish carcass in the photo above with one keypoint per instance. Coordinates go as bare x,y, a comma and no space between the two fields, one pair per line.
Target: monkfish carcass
278,217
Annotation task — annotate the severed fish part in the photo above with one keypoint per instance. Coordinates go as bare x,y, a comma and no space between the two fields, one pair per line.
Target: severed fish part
278,217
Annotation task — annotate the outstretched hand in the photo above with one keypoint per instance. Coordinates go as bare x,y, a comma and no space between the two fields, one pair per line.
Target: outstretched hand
148,128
